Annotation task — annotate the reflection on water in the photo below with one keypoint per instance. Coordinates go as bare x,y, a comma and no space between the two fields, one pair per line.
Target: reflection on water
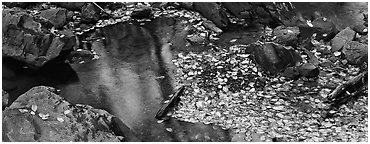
130,80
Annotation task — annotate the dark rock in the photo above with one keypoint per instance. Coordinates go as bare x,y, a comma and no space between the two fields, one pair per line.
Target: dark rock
309,70
167,107
342,38
307,44
141,13
187,5
42,115
290,73
274,57
90,13
213,12
58,17
360,29
18,4
355,52
5,99
73,6
325,29
27,39
239,9
286,35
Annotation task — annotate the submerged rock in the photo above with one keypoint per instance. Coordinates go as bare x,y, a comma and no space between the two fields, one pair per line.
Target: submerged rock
42,115
274,57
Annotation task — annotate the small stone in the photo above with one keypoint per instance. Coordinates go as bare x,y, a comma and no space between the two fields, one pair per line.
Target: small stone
34,108
280,115
66,112
278,108
169,129
60,119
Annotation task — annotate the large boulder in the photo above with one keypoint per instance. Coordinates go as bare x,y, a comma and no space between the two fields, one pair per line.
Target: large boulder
274,57
27,38
355,52
58,16
41,115
213,12
342,38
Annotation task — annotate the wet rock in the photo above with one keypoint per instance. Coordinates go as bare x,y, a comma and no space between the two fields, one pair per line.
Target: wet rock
324,29
213,12
342,38
286,35
355,52
42,115
28,39
309,70
5,99
239,9
90,13
73,6
57,16
360,29
141,13
274,57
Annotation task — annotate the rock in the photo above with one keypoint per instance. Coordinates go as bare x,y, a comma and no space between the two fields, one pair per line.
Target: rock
274,57
290,73
355,52
309,70
210,25
324,29
213,12
57,16
5,99
41,115
239,9
342,38
28,39
195,39
73,6
142,13
80,56
18,4
361,29
363,39
187,5
286,35
90,13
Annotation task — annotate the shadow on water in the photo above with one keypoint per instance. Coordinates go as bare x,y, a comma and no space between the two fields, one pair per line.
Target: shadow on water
132,77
